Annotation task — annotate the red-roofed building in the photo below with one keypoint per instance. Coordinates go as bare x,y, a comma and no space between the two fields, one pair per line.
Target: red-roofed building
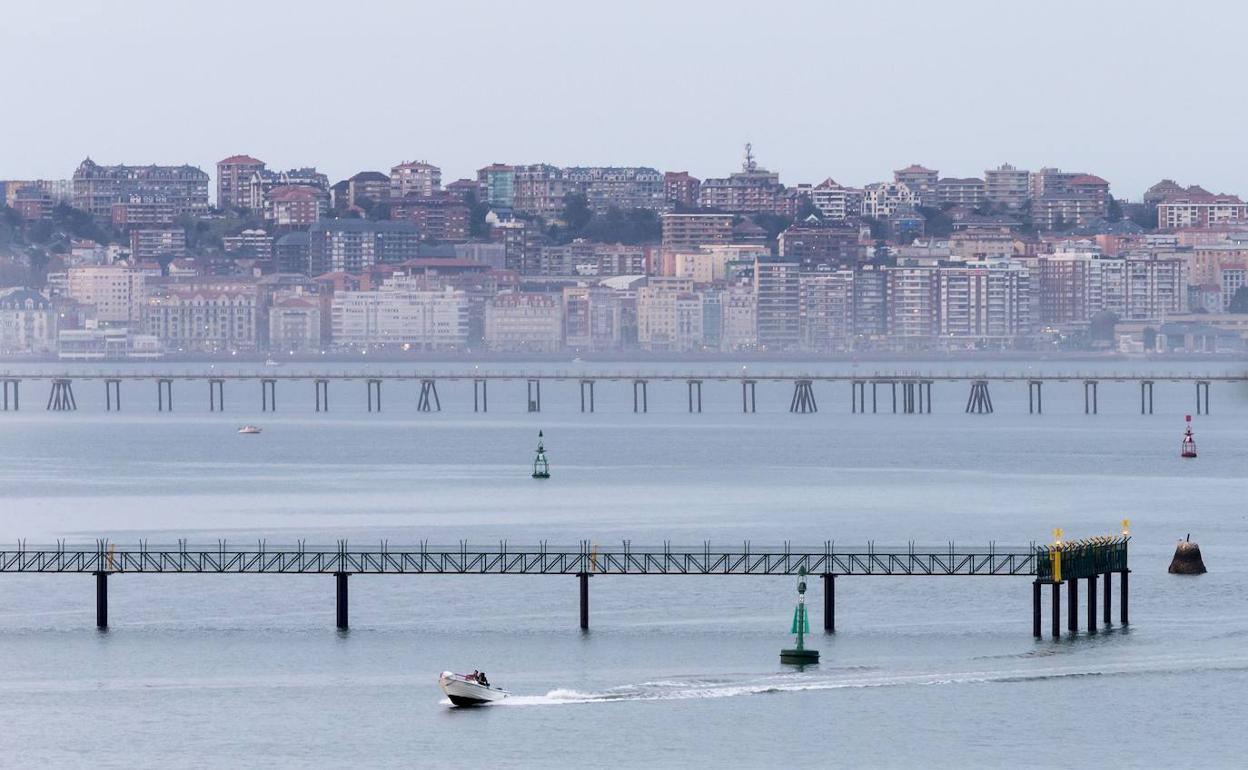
1199,208
233,175
294,206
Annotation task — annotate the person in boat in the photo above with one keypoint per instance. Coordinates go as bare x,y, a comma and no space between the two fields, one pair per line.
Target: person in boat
482,680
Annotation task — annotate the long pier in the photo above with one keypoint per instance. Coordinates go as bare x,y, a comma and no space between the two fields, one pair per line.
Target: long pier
895,392
1052,565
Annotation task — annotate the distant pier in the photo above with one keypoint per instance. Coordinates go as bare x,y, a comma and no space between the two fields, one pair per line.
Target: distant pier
1053,565
888,392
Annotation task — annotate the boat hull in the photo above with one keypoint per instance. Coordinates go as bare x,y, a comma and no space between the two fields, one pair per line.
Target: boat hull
462,691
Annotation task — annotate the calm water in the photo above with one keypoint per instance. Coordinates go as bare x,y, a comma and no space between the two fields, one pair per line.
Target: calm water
229,671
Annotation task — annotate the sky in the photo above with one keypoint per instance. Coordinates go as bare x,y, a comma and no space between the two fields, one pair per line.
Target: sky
1131,91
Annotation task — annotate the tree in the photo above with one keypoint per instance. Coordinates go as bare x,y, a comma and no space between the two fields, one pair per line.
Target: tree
774,224
1114,212
1239,301
1101,325
1144,216
938,223
576,212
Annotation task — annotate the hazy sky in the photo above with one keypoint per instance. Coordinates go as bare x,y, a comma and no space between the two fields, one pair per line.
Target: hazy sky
1133,91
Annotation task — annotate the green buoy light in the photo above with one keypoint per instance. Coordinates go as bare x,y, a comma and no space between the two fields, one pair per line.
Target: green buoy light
799,655
541,468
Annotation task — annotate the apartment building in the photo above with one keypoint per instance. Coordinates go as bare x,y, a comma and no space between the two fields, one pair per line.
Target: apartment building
689,231
115,293
207,316
355,245
524,322
835,201
233,179
417,177
1196,207
96,188
1007,186
402,312
778,292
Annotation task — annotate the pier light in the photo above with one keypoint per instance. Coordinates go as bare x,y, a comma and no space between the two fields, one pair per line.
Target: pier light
1126,527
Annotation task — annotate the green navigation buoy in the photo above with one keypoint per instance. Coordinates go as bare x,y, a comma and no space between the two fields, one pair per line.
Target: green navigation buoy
541,468
799,655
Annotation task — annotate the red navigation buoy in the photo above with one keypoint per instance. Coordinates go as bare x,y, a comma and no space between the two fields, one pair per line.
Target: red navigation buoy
1189,442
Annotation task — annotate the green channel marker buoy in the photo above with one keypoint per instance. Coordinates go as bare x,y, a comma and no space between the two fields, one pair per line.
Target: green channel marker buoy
799,655
541,468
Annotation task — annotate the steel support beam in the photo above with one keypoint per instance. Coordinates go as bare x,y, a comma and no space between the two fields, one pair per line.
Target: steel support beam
101,600
583,579
829,602
340,581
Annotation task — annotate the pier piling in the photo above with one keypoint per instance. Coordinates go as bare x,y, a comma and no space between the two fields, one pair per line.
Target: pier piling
535,395
1055,605
1035,609
645,402
979,401
803,401
479,395
1146,386
1202,386
1035,397
268,395
748,405
340,582
322,395
216,395
164,395
1122,597
112,395
1089,396
587,386
829,602
1091,604
428,401
695,385
7,384
61,397
583,579
1105,599
858,396
373,384
101,600
1072,605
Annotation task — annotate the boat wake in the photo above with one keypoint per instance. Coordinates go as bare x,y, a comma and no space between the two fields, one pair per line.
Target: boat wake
846,679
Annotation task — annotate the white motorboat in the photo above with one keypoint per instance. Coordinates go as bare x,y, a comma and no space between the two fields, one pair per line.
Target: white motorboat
465,690
249,429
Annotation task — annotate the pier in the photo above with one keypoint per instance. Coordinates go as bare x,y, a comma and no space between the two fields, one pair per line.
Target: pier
1051,565
889,392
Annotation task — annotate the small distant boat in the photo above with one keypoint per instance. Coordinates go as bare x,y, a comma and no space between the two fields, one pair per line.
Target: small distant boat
271,362
465,690
1188,449
249,429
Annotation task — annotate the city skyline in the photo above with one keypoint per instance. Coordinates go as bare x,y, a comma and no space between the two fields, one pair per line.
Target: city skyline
1076,101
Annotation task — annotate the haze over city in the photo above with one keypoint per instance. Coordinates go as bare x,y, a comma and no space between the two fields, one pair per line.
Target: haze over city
849,90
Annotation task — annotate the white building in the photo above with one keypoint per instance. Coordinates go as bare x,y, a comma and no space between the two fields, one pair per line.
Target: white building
400,313
669,315
883,199
27,322
835,201
116,293
739,330
204,316
295,324
524,322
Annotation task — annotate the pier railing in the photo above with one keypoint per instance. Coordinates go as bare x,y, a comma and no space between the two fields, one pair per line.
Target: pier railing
508,559
1077,560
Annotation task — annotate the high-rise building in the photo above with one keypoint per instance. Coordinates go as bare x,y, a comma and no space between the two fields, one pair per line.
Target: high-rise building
620,187
162,245
1007,186
499,182
778,292
205,315
524,322
263,182
753,189
827,311
689,231
883,199
402,312
415,177
835,201
355,245
1196,207
115,293
294,207
368,186
960,192
681,188
920,181
233,180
